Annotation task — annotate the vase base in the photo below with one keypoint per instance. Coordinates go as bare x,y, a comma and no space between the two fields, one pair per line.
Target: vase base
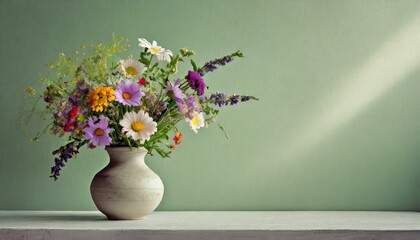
122,219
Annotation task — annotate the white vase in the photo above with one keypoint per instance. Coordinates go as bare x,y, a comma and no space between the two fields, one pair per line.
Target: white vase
126,188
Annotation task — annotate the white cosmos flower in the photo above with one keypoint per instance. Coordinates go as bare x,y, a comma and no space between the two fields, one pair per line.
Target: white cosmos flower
138,125
161,53
132,68
196,122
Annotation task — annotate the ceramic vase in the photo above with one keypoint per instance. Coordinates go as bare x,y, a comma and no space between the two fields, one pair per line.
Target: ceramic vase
126,189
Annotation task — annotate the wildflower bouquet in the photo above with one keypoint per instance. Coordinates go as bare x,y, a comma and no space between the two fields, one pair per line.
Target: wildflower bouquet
96,99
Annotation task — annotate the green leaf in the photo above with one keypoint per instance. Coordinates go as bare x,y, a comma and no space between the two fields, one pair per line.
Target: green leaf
162,153
194,65
223,129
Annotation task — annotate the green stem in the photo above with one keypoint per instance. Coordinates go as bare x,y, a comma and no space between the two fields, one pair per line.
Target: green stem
148,66
39,134
29,117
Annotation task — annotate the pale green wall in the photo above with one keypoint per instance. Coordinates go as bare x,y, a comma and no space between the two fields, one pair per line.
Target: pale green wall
302,57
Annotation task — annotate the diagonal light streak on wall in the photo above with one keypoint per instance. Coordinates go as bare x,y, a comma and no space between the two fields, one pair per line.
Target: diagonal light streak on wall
391,63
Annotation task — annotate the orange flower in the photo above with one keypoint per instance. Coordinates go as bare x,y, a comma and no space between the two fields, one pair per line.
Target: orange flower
177,138
101,97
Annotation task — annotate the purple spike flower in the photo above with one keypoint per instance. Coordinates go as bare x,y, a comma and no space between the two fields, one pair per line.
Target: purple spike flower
64,153
221,99
212,65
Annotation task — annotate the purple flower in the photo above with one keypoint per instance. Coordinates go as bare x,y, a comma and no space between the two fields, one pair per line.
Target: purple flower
174,92
221,99
192,105
64,153
183,108
128,93
97,131
157,109
160,108
234,99
196,82
79,93
189,107
212,65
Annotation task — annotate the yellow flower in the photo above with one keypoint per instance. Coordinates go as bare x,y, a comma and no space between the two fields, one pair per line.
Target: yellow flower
31,91
101,97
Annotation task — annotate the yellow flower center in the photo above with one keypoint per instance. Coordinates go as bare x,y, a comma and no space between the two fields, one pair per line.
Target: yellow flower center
99,132
126,95
195,120
131,71
155,50
137,126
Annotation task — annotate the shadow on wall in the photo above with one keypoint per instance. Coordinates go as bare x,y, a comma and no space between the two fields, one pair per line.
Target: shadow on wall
391,63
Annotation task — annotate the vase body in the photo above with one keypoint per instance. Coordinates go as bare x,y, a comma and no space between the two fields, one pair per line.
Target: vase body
126,188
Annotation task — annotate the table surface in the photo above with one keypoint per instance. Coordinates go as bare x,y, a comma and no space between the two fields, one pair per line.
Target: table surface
215,220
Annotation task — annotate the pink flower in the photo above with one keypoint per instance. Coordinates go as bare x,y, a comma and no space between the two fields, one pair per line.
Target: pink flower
142,81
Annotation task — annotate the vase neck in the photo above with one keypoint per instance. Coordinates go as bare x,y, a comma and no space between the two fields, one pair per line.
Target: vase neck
123,154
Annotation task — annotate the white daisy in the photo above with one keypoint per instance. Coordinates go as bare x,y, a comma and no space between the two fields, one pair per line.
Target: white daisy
132,68
138,125
161,53
164,55
196,122
144,43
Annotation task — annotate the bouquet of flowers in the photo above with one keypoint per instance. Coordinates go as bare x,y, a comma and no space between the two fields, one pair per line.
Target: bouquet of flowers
96,99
